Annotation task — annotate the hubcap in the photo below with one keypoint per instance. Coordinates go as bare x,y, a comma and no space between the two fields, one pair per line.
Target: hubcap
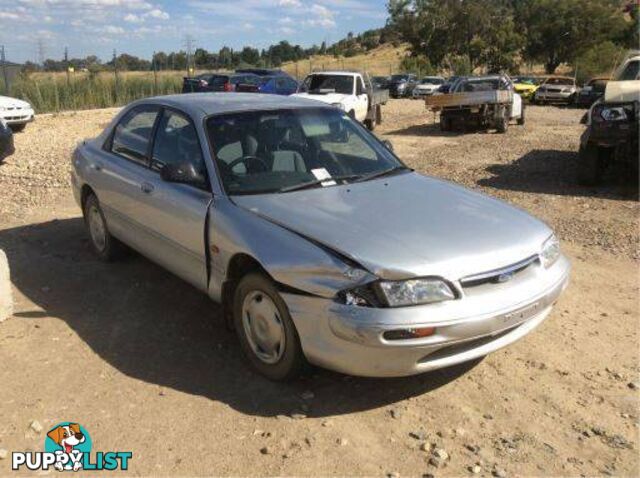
263,327
97,228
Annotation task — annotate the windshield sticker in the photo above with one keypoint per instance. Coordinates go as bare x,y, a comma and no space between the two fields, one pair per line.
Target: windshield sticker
321,174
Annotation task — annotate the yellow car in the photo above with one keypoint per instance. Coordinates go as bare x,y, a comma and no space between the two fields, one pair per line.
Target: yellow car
526,86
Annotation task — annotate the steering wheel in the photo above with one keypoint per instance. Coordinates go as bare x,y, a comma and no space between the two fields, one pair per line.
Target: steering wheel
249,159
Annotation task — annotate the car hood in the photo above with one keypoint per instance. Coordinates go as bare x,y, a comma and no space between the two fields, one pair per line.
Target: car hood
427,87
407,226
524,87
329,98
7,102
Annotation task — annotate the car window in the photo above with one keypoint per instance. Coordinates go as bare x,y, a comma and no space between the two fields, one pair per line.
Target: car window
176,142
132,135
260,152
291,84
630,71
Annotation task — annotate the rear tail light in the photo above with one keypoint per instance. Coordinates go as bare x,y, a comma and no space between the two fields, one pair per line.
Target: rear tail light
228,87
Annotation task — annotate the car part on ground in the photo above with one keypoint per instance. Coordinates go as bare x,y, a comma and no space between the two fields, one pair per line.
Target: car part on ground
611,136
16,113
482,101
320,244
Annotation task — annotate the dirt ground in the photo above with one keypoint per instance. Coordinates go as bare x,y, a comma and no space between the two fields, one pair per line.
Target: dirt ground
145,364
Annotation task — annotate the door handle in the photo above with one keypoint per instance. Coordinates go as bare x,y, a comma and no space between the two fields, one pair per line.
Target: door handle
147,188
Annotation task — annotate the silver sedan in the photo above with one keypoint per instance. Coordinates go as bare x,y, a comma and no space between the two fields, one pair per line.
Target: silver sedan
321,245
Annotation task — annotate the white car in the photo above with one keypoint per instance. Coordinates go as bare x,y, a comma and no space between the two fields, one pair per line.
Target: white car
16,113
427,86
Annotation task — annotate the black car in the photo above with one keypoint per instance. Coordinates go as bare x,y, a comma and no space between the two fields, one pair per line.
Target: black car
380,82
401,86
591,92
209,82
445,88
6,141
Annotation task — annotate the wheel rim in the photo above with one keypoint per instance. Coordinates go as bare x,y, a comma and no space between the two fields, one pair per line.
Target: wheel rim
97,228
263,327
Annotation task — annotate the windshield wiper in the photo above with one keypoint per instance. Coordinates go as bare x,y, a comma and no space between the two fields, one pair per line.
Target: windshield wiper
317,182
379,174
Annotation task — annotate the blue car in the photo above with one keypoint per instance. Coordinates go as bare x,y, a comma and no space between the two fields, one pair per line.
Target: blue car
274,85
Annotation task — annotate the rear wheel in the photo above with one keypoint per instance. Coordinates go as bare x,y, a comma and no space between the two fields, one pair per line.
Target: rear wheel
445,123
522,118
106,247
503,122
265,330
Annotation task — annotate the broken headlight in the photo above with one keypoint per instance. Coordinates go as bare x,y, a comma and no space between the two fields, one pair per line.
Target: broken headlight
415,292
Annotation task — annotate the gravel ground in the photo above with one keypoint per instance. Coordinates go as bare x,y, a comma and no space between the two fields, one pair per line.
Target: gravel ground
144,363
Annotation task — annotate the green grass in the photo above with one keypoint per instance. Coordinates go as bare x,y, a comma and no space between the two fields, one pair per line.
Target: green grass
53,93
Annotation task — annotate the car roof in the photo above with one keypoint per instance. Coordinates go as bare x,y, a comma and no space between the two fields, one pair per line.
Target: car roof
200,105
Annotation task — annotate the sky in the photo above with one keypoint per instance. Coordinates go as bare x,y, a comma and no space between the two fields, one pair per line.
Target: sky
140,27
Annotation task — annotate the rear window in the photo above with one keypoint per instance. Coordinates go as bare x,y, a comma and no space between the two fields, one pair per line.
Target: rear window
560,81
399,77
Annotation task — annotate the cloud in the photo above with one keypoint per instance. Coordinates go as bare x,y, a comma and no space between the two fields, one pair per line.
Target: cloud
324,17
133,18
289,3
158,14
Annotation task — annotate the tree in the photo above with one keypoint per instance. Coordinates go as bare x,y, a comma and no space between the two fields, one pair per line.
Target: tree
484,32
558,31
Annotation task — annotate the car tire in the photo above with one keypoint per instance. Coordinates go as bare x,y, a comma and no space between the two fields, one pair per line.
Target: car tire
523,114
590,166
370,124
18,128
269,339
503,122
352,114
105,246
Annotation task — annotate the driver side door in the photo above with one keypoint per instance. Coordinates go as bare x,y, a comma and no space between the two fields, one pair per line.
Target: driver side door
362,100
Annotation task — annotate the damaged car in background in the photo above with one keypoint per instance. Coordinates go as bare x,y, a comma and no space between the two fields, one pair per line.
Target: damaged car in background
321,245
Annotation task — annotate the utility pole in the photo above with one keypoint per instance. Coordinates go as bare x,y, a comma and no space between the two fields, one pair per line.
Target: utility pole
189,44
41,52
5,75
66,64
115,75
155,74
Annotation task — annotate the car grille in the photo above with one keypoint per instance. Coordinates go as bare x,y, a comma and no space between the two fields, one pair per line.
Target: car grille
498,276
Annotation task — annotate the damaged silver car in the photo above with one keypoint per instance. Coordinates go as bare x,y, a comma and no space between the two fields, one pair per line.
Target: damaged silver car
322,246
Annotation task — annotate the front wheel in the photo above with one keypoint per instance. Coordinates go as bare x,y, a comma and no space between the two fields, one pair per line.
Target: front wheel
18,128
503,122
265,330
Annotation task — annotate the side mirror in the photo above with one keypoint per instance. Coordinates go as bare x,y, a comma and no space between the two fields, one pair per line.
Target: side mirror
388,144
183,173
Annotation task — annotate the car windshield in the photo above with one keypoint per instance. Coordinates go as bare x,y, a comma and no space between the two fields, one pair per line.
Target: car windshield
399,77
342,84
483,84
559,81
432,81
261,152
630,72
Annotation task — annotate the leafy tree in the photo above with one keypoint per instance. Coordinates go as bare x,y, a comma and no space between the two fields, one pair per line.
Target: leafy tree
557,31
599,60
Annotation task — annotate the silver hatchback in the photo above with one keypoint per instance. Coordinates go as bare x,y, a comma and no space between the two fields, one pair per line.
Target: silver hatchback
320,244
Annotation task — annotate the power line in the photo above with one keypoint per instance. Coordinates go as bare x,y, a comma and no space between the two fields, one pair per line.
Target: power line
41,52
189,45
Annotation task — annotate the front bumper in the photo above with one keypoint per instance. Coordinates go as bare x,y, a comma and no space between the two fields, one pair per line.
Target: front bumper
17,116
350,339
422,93
552,97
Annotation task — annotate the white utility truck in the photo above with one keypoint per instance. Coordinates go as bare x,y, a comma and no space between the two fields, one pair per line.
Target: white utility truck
350,91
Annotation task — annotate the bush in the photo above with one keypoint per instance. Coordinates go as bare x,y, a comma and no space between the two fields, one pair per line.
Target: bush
599,60
417,64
